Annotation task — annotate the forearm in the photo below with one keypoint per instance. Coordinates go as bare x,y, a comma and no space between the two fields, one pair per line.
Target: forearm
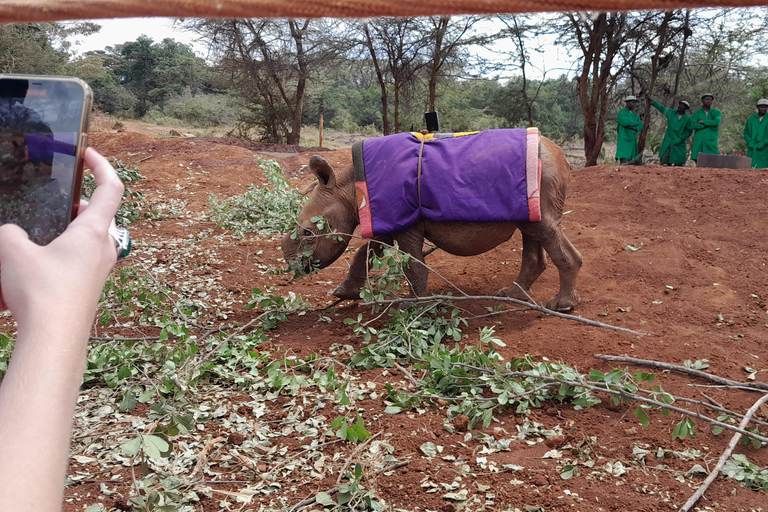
37,399
52,292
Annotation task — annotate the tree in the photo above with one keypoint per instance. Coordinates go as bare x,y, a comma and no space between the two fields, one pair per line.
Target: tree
368,42
608,43
109,95
395,46
517,26
647,72
152,72
38,48
448,37
269,62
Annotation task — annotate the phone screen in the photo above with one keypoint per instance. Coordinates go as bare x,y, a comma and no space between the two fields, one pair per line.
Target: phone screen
42,125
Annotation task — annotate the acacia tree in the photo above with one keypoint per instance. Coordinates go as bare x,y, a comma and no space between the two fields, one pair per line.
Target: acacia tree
448,37
270,62
395,46
38,48
517,27
669,26
371,47
608,43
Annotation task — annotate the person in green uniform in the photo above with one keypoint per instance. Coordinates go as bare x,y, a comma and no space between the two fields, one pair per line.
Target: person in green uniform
705,122
756,136
674,149
629,125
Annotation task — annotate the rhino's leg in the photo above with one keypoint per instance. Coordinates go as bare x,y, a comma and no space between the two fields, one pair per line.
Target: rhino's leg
533,264
565,257
358,271
411,241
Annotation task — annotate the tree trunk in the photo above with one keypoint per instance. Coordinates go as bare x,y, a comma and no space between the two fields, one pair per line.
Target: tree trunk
397,107
589,90
662,32
681,63
380,79
437,59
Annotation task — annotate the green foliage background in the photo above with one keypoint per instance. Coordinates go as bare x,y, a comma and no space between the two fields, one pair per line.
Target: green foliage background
165,82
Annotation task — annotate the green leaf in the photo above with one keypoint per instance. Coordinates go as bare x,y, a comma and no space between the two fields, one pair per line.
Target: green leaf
129,402
344,497
359,429
132,447
146,396
596,376
124,372
156,447
324,499
642,416
676,431
569,471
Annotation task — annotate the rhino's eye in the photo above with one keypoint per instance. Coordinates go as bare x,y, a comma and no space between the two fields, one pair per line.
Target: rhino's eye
307,233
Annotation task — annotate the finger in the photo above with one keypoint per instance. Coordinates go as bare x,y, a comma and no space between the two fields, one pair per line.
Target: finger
109,191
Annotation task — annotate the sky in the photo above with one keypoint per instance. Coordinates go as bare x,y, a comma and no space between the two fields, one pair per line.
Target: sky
544,55
118,31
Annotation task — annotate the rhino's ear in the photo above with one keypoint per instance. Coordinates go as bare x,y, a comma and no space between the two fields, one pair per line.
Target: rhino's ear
308,188
323,170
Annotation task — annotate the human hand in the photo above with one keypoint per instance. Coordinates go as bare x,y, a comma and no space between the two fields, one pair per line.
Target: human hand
60,283
701,122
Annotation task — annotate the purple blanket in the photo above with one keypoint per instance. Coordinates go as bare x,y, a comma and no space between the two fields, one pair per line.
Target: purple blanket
476,177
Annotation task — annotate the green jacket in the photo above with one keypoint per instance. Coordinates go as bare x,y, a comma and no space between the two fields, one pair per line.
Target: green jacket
705,139
756,136
676,136
626,145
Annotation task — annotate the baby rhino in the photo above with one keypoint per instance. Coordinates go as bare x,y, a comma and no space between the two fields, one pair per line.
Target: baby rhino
465,193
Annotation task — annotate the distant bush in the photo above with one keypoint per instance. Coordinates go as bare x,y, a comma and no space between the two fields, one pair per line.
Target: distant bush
343,121
200,110
155,115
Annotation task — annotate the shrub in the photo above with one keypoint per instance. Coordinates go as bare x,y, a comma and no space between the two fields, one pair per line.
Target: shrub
202,109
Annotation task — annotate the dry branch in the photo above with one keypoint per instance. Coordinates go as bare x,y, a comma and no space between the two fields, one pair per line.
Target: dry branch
631,396
624,394
672,367
310,501
535,307
352,456
203,457
408,376
724,457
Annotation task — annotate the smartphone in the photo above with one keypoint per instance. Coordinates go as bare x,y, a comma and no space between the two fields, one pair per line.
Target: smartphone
43,136
433,121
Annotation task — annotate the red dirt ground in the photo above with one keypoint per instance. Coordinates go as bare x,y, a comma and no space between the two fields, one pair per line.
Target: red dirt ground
698,286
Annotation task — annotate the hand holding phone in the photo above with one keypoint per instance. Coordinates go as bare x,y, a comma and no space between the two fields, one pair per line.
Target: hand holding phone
43,130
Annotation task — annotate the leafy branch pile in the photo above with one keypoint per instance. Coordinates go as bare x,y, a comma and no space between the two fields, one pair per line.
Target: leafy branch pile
268,210
132,203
